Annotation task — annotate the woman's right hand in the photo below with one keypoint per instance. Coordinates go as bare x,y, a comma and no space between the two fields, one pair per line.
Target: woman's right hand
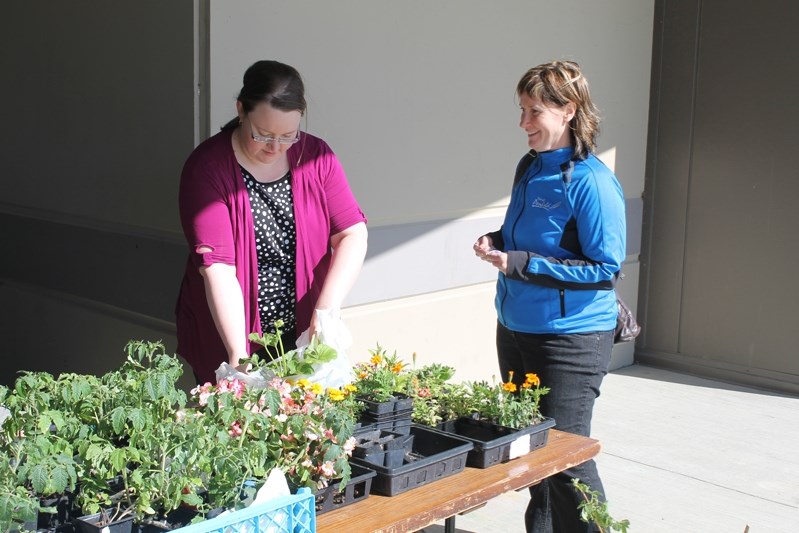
483,246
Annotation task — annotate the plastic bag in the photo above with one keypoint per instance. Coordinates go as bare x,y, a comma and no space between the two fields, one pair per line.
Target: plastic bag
335,373
254,379
335,334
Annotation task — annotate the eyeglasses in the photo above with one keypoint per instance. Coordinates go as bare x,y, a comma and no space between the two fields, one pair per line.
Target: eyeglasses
268,139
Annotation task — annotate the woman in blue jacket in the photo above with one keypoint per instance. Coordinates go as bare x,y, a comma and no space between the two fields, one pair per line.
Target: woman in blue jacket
559,253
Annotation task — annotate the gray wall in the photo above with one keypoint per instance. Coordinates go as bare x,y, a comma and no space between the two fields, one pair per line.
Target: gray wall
718,270
98,105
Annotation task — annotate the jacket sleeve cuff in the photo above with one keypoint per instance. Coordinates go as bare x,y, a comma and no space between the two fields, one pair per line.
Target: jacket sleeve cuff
517,265
496,239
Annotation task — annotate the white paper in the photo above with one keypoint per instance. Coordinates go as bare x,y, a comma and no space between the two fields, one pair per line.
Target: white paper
520,446
275,487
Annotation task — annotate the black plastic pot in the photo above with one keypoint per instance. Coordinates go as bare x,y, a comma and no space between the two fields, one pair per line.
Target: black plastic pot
98,523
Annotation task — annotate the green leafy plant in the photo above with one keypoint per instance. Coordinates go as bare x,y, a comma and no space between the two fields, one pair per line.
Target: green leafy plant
17,504
292,363
382,377
506,404
594,509
428,386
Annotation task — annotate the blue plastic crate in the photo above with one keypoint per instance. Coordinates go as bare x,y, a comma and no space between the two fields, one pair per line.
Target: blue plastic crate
289,514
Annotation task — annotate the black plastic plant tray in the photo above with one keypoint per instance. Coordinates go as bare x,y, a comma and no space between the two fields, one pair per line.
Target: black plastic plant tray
435,455
392,415
400,402
334,497
494,444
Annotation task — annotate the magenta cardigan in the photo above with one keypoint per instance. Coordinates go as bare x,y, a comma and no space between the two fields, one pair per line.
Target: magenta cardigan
215,211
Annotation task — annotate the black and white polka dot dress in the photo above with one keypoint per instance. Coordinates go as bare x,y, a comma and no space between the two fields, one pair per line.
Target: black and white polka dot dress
275,239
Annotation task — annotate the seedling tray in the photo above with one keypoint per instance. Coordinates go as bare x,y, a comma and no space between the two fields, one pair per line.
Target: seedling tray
434,455
494,444
335,497
400,402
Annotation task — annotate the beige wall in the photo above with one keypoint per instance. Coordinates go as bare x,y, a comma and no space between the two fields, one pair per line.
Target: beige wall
416,97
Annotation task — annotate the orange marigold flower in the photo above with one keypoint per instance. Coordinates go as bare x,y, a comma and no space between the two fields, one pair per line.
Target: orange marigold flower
397,368
532,379
509,386
363,374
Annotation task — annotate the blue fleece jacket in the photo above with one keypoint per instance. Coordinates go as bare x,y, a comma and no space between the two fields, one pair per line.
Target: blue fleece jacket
564,233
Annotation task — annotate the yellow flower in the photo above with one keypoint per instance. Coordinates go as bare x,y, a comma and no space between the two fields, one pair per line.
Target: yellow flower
303,383
509,386
375,360
316,388
349,388
336,395
532,379
397,368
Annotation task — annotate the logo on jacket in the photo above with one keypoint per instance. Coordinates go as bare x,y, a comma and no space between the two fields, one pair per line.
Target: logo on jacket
541,203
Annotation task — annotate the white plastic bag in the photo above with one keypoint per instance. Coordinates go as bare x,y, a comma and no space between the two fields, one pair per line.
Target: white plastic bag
255,379
335,334
335,373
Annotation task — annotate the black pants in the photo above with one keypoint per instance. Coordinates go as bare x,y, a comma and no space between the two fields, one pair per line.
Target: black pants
572,366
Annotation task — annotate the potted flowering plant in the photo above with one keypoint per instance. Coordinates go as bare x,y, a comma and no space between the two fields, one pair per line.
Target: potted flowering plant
383,383
429,387
502,420
506,403
296,427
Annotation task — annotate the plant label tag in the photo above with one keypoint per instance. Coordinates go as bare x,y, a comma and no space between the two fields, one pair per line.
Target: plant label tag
519,447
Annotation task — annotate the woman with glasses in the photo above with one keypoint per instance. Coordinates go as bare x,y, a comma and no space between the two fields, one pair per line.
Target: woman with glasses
274,231
559,253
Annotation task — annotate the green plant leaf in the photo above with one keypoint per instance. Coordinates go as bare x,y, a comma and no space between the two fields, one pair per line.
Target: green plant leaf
39,478
118,419
138,418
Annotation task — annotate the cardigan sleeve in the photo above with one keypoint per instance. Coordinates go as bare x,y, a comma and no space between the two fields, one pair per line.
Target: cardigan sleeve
343,209
205,212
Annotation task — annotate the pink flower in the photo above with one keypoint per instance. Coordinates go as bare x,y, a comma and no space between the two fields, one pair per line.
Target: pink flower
350,445
235,429
283,387
203,392
231,385
424,392
327,469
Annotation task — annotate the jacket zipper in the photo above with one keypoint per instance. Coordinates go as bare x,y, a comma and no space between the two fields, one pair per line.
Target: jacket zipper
562,303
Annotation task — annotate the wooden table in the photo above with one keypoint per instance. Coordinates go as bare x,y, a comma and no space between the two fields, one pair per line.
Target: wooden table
443,499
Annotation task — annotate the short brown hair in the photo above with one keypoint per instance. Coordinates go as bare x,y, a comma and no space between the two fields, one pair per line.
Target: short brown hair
561,82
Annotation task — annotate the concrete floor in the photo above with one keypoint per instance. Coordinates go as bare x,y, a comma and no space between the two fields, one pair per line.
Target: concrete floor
683,454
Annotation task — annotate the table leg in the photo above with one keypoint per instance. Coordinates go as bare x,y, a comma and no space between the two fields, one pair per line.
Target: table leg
449,524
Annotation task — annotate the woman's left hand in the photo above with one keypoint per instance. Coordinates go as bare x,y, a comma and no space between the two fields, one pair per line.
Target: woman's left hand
498,259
